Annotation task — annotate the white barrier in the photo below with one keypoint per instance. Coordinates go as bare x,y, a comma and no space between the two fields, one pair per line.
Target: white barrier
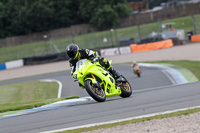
115,51
109,52
14,64
125,50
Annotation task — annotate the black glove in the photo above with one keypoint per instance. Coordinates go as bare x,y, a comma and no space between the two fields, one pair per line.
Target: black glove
95,59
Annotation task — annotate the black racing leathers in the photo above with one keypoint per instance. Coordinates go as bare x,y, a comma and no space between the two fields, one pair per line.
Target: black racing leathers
83,54
89,54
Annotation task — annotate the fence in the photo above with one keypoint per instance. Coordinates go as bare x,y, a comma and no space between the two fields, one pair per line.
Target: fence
95,40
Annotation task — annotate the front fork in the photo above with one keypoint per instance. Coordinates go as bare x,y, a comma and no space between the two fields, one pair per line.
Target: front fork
97,85
94,81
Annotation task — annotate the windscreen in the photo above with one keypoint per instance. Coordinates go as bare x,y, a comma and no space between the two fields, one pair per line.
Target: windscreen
80,63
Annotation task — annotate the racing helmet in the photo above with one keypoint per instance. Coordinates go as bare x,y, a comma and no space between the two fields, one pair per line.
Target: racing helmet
134,62
72,50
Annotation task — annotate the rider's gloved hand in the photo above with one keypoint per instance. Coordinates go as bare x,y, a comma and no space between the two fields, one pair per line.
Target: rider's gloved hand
95,59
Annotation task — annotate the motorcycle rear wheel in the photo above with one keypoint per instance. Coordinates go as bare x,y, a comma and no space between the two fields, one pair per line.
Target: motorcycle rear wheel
94,92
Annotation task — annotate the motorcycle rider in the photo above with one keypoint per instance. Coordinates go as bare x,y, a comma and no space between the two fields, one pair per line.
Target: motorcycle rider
76,54
134,64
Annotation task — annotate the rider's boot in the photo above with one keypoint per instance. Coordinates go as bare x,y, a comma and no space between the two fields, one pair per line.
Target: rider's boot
105,63
115,74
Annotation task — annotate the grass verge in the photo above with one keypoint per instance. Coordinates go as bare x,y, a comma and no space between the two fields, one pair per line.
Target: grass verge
30,104
27,95
28,91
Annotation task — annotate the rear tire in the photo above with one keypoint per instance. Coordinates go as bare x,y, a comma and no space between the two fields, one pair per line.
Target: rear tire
94,92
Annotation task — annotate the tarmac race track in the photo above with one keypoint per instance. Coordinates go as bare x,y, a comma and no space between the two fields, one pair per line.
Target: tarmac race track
153,92
151,77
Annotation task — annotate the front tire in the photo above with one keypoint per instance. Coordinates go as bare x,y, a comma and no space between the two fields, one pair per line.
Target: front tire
138,74
126,89
94,92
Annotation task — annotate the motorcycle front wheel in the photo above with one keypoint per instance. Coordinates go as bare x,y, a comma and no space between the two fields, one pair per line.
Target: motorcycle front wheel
138,74
96,93
126,88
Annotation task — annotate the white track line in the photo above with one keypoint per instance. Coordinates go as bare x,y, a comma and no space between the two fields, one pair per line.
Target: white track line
171,79
59,83
175,76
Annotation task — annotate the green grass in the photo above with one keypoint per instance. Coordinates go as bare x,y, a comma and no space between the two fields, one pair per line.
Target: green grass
27,95
31,104
93,40
21,51
28,91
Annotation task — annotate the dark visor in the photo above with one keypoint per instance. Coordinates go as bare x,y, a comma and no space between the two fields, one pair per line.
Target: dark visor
71,54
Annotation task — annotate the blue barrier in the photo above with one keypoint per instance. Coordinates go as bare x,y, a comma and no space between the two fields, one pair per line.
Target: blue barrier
12,64
2,66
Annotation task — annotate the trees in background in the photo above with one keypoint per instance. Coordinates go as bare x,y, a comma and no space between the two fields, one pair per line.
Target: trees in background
27,16
19,17
103,13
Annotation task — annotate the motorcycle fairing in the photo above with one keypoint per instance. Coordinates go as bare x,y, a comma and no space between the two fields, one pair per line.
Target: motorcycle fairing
108,81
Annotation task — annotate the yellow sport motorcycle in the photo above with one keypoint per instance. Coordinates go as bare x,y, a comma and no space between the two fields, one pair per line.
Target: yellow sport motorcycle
98,82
